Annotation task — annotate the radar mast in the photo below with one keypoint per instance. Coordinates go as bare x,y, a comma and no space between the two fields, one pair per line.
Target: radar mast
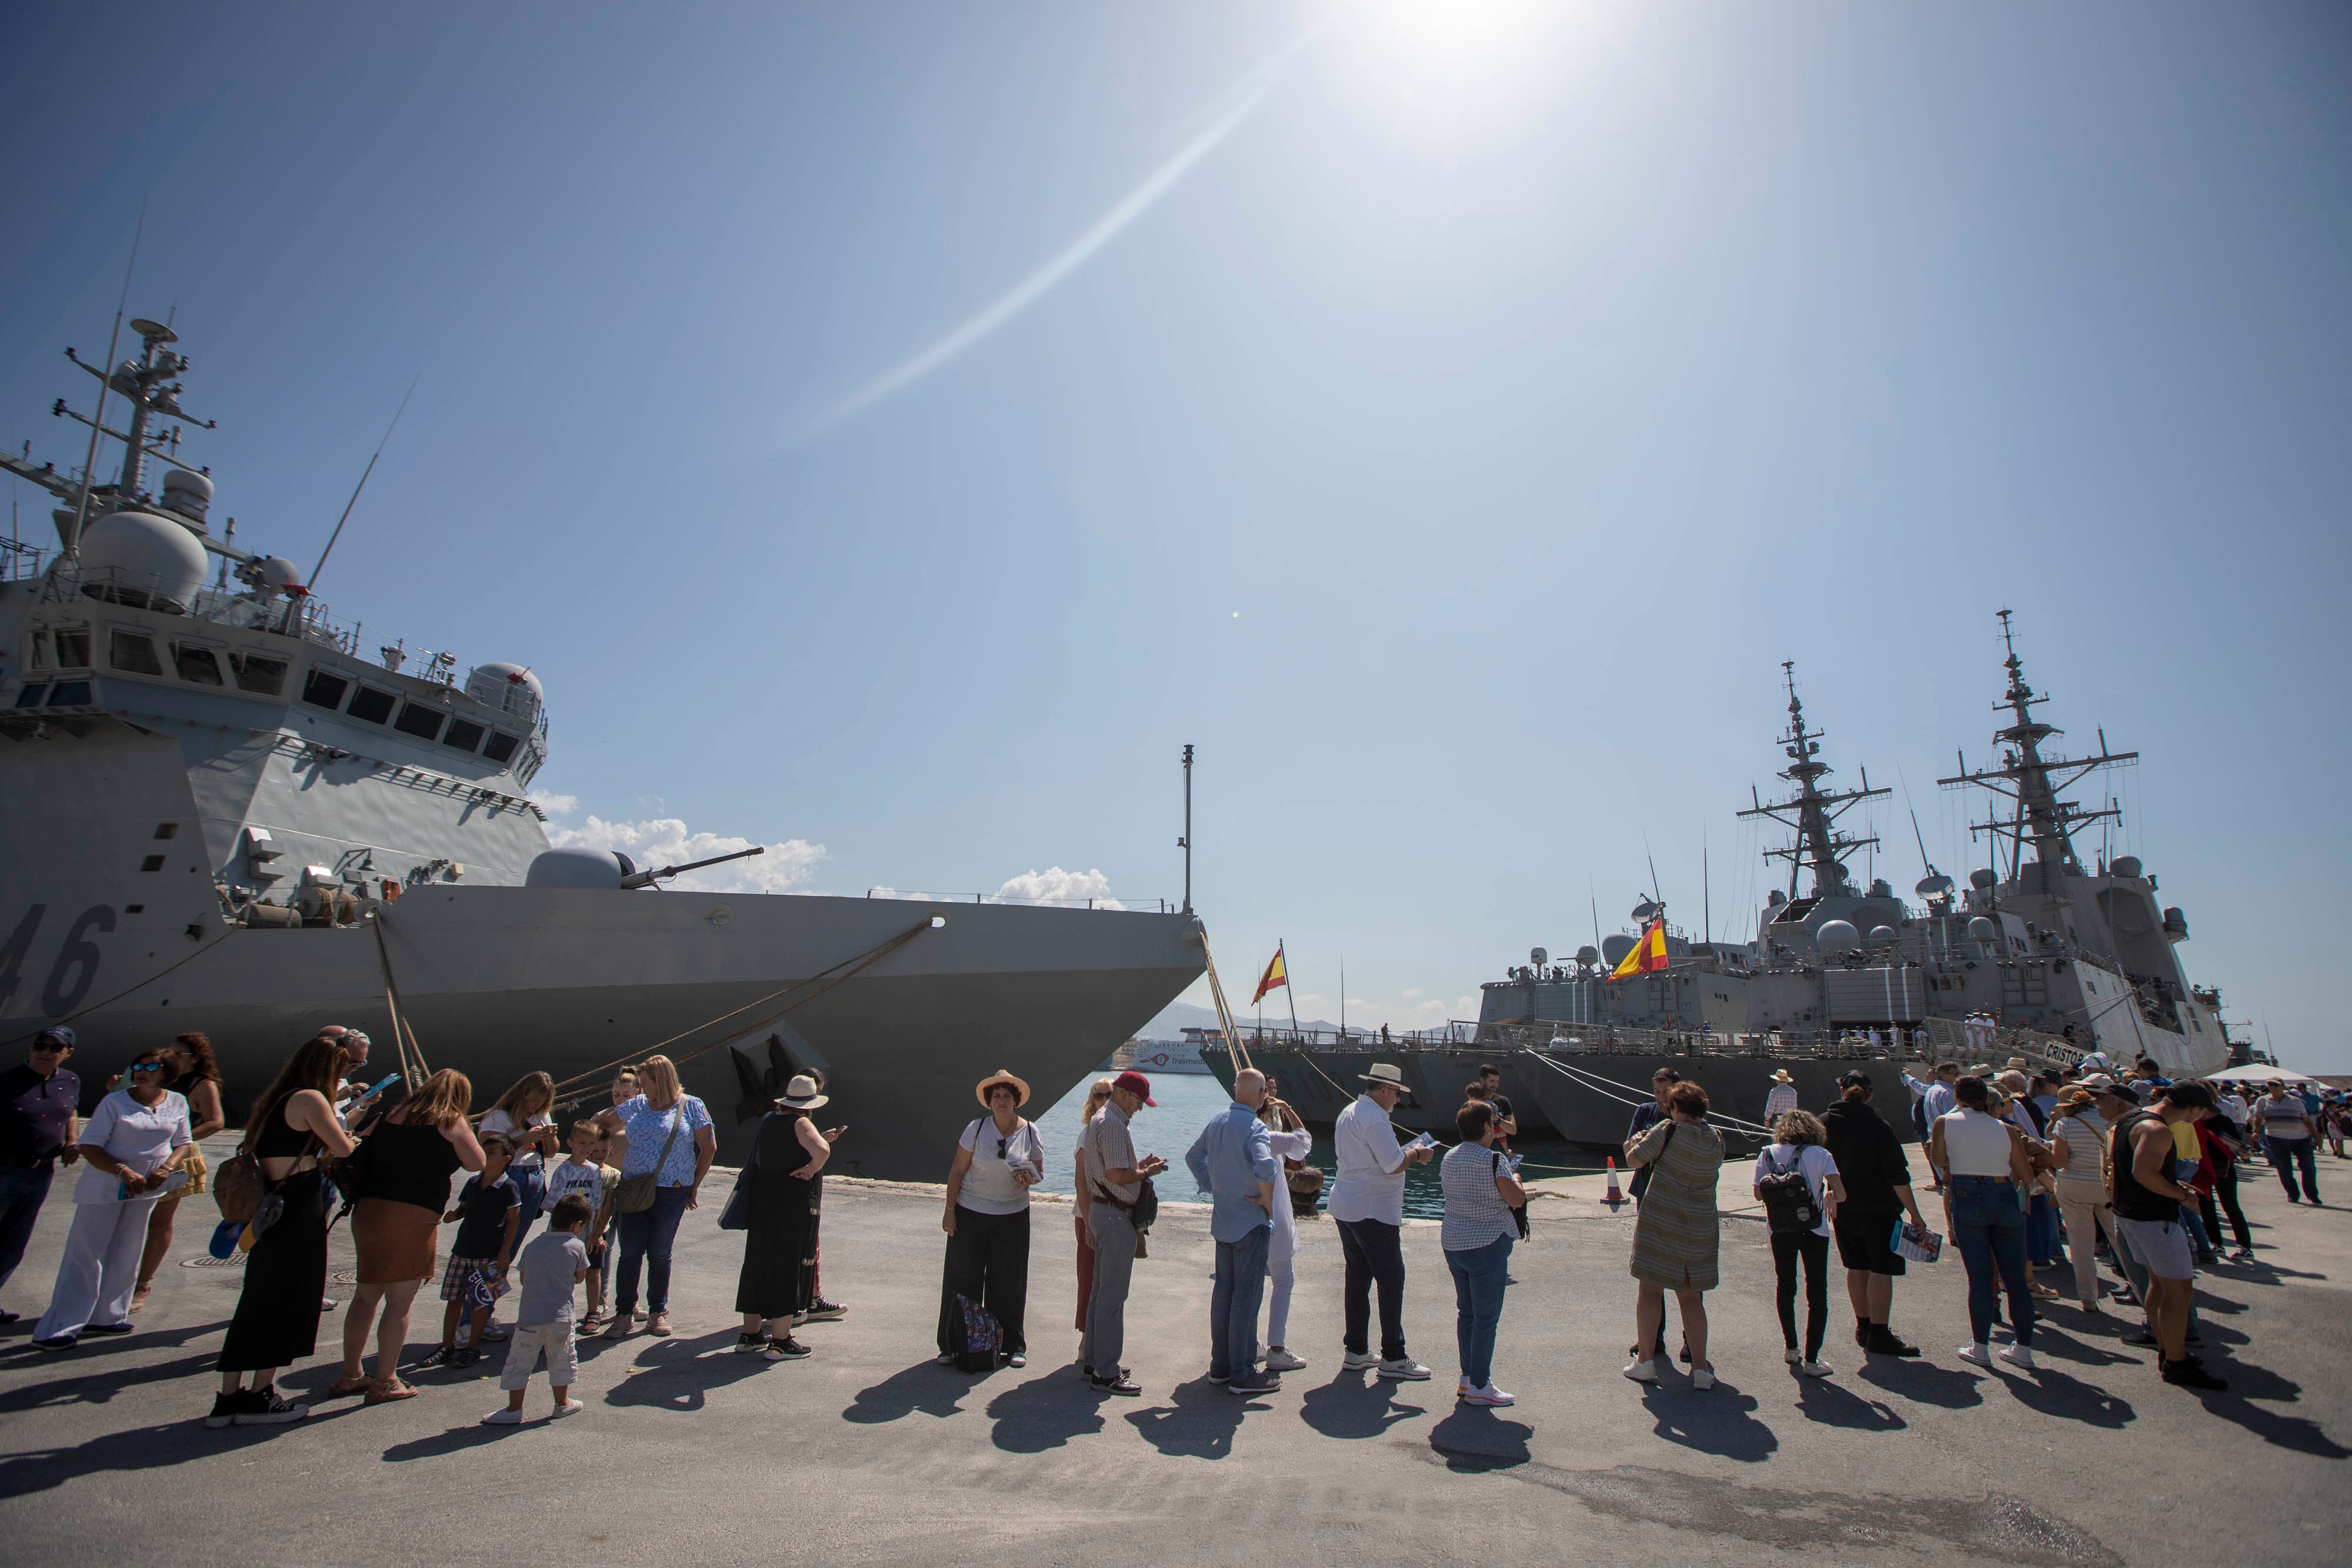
1812,811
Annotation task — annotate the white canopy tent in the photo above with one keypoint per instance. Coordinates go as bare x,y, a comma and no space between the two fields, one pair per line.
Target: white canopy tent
2257,1073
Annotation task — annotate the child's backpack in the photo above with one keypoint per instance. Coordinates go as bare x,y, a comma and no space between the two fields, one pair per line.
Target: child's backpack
981,1335
1789,1206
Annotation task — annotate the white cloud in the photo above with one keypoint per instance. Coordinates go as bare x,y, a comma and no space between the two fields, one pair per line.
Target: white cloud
1060,885
555,805
666,841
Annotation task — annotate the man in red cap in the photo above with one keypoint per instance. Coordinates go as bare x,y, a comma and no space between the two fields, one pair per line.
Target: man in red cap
1115,1178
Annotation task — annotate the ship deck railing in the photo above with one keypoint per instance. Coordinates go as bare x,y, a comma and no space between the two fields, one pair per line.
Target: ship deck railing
1116,906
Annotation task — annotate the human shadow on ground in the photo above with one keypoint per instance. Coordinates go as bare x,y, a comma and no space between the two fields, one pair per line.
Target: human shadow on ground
925,1387
1198,1424
1821,1400
1045,1413
2052,1342
88,1385
2249,1382
1473,1440
1355,1405
1923,1383
2053,1393
1718,1421
135,1449
456,1440
677,1374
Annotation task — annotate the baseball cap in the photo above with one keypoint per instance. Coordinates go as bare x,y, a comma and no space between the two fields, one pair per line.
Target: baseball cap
1135,1083
60,1036
1854,1076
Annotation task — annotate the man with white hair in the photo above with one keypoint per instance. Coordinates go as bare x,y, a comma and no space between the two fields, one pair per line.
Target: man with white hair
1368,1205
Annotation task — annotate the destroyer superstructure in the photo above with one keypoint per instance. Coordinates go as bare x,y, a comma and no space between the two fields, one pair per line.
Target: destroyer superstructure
221,814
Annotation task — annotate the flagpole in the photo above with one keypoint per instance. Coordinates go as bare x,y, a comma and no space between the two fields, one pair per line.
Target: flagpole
1289,991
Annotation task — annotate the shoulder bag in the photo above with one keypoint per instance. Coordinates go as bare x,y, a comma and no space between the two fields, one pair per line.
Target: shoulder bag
1518,1210
635,1194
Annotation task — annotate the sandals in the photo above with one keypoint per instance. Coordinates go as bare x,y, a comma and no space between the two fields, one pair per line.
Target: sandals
346,1387
389,1393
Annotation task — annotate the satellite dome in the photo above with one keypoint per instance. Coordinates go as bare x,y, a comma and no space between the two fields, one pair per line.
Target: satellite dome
1935,885
190,494
139,559
1588,954
1881,936
510,688
278,575
1982,930
1614,948
1837,937
2125,865
578,867
1983,879
1645,910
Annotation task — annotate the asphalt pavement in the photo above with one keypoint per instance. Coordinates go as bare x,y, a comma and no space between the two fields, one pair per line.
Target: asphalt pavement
866,1452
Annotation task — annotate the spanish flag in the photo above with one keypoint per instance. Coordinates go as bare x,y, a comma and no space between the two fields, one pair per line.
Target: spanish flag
1276,974
1648,954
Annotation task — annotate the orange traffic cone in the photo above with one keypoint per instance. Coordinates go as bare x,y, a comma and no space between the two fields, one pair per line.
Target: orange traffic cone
1614,1196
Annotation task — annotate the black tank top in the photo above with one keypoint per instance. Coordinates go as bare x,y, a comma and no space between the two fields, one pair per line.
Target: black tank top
409,1162
2134,1201
276,1141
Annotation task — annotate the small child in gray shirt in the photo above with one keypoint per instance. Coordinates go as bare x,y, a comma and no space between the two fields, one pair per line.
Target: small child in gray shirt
552,1265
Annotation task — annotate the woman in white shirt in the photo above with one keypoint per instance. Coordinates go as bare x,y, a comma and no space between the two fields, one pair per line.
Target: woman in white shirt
999,1159
1798,1147
1287,1136
1984,1205
521,1117
132,1148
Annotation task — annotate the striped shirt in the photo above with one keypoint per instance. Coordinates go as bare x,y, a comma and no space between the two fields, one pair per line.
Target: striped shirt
1476,1214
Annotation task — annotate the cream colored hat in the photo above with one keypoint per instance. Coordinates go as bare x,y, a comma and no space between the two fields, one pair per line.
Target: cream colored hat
1019,1089
800,1094
1384,1075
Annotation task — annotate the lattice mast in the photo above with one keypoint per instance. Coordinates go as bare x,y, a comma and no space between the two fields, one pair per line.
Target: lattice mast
1813,812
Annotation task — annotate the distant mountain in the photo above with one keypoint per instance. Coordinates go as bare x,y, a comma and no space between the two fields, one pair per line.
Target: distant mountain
1176,1016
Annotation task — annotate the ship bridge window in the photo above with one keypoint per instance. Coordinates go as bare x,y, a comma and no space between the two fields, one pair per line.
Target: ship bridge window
41,650
256,673
464,734
70,693
322,690
73,647
201,666
31,695
371,706
501,747
417,719
132,653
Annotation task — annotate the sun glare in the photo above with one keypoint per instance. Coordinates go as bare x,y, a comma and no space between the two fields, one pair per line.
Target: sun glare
1462,70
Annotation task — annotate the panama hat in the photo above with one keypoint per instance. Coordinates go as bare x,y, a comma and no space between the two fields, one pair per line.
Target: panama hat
1780,1075
1001,1076
1384,1075
800,1094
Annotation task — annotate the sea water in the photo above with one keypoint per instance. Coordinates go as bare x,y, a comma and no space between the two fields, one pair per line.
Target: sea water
1187,1105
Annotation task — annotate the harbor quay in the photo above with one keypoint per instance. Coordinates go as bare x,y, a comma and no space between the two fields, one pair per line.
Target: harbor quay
869,1452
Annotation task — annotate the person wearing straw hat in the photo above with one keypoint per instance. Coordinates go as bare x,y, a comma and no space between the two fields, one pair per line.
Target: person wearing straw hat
1780,1098
1368,1205
999,1159
787,1157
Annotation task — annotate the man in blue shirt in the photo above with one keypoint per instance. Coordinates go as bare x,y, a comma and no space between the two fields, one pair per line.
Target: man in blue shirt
1234,1163
37,1126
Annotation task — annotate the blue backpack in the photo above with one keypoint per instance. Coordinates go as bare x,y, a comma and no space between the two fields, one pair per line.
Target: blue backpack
983,1335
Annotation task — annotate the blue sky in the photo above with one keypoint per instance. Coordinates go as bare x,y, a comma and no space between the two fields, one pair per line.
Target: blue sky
1448,425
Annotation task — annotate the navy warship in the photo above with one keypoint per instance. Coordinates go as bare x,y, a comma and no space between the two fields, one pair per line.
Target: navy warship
216,814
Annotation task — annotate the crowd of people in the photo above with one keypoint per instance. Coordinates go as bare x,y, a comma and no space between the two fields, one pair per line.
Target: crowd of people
2035,1170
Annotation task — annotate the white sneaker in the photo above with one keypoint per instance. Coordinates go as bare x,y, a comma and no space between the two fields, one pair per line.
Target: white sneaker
1979,1354
503,1418
1792,1355
1283,1361
494,1330
2019,1356
570,1408
1357,1360
1814,1368
1490,1395
1404,1369
1643,1371
1701,1377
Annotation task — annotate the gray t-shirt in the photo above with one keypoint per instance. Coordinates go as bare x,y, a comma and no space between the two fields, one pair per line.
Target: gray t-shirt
551,1262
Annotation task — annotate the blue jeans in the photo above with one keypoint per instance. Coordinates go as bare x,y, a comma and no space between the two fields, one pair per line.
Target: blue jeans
1233,1302
22,1192
2287,1154
1479,1275
647,1234
1989,1228
2041,1229
530,1186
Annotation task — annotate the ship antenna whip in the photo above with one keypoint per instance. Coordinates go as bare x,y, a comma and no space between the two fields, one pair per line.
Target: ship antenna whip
361,485
97,419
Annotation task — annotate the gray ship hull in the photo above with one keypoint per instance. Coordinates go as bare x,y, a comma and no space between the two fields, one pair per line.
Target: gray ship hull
1320,1081
1734,1085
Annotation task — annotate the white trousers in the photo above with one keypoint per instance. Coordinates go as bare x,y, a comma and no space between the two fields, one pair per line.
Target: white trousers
100,1268
1282,1274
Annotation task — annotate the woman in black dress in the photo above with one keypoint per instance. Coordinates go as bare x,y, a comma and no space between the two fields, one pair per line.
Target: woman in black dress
786,1160
277,1321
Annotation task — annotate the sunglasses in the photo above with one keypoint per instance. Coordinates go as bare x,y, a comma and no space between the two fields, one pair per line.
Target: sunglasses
51,1049
146,1067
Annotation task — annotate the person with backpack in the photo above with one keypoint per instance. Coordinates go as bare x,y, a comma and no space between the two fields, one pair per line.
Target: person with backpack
787,1156
999,1159
1796,1182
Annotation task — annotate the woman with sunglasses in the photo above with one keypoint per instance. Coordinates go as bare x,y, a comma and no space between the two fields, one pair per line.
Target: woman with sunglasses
132,1148
997,1161
196,1080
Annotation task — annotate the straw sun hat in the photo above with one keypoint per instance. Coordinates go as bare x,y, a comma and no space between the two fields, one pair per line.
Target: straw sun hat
1019,1089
